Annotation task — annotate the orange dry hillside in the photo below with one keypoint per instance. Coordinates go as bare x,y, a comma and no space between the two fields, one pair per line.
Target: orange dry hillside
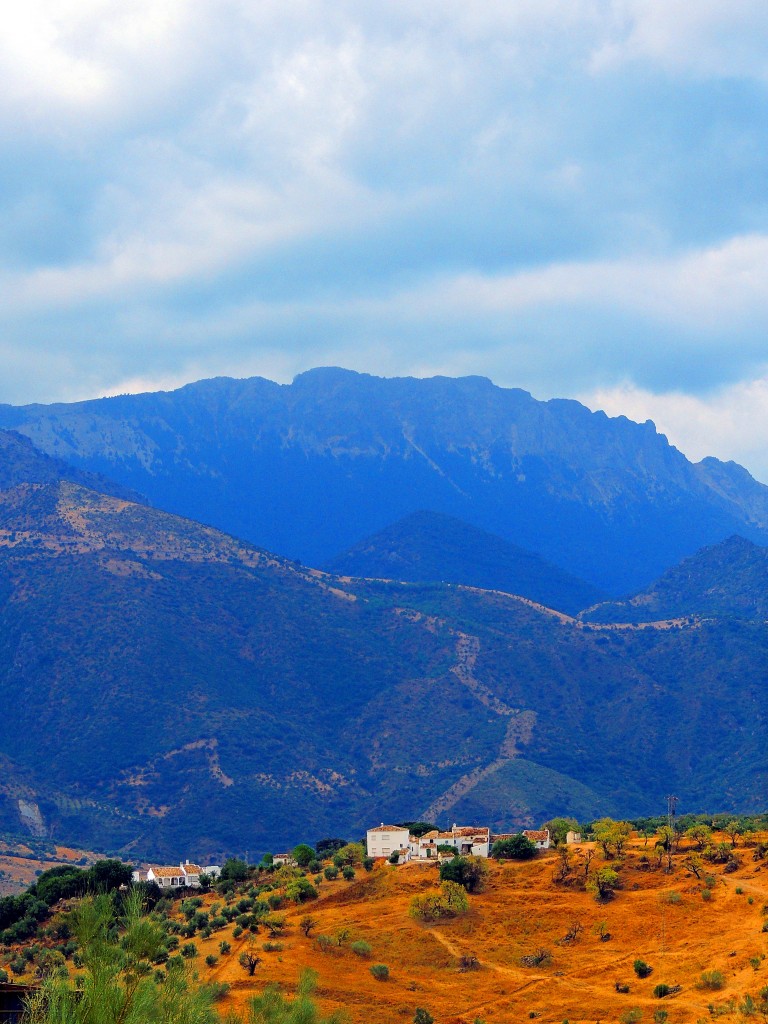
658,917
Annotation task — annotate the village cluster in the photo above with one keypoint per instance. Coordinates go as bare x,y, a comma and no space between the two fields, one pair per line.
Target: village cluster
394,842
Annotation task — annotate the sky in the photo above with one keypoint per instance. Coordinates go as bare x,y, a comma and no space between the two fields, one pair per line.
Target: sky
568,196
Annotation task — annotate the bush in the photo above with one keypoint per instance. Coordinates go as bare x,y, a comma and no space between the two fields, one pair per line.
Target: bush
450,901
661,991
631,1016
217,990
331,873
713,981
519,847
361,948
325,942
348,873
642,969
273,947
706,895
189,950
469,872
224,948
300,890
211,960
380,972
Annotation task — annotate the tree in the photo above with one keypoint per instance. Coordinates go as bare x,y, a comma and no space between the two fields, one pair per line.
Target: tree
603,883
303,854
300,889
733,829
700,834
307,923
234,870
327,847
351,853
118,955
450,901
423,1016
469,872
559,829
108,875
611,836
518,847
695,864
249,960
418,828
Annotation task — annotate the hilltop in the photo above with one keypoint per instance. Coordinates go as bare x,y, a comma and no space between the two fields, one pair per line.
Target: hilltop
311,468
726,580
430,547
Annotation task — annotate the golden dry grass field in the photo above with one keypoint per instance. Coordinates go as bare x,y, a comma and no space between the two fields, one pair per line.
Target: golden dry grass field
658,917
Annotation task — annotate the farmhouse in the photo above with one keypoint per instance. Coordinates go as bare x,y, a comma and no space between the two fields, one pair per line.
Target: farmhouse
384,840
185,875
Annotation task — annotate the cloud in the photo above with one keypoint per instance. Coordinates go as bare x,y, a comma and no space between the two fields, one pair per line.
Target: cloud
731,423
562,194
709,37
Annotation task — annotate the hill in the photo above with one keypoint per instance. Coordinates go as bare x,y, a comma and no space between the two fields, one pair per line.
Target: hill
173,691
22,463
430,547
310,468
703,937
729,579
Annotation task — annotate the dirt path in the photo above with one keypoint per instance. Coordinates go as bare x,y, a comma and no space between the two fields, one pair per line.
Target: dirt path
519,728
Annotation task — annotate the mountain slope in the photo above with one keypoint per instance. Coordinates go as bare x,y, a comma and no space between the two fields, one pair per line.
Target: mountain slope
21,462
729,579
170,690
308,469
428,546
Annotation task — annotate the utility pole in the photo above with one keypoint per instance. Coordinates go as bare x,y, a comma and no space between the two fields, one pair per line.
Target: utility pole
671,812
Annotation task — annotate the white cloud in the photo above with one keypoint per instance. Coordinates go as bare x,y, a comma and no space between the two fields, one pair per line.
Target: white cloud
710,37
731,423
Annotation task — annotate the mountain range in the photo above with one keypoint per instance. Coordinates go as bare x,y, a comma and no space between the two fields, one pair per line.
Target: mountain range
171,690
312,468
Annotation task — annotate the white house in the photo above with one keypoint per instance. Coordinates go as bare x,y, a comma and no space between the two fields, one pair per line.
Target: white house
284,858
384,840
185,874
572,837
466,840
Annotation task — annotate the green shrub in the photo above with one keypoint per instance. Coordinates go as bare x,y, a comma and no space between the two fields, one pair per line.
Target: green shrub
642,969
706,895
217,989
331,873
661,991
189,950
673,899
348,873
224,948
631,1016
361,948
713,981
211,960
273,947
380,972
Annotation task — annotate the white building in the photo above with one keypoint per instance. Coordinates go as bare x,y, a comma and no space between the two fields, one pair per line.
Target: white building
384,840
185,875
465,840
